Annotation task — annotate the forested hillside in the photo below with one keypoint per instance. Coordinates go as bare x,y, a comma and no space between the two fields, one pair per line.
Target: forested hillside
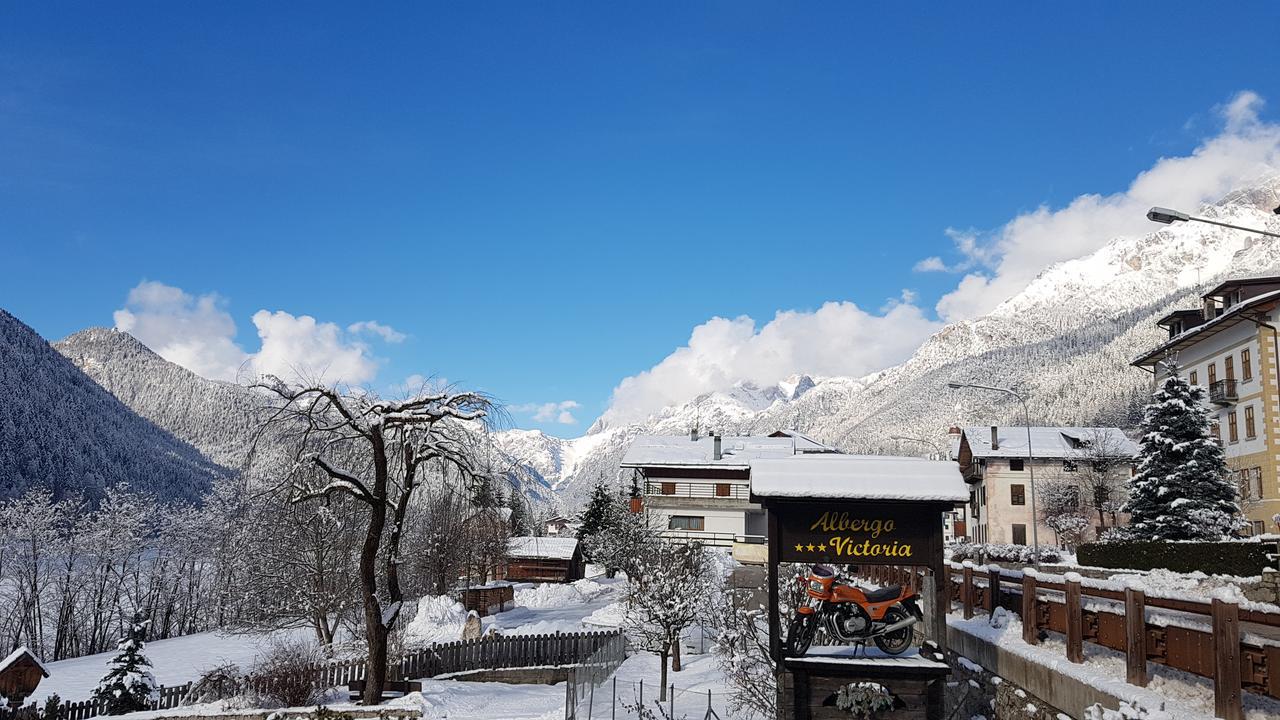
63,431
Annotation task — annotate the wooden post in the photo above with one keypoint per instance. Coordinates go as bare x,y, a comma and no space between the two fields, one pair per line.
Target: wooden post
1075,622
993,590
1029,630
1135,635
966,590
775,631
1227,702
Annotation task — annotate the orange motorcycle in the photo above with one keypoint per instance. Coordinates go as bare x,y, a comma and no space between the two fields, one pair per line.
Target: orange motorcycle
852,615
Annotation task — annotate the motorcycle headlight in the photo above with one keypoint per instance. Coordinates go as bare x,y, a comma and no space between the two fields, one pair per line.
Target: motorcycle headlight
816,586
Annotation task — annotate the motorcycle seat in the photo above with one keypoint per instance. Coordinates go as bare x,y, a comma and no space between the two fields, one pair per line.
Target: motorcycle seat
883,594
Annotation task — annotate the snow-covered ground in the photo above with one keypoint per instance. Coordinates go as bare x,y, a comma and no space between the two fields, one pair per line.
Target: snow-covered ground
174,662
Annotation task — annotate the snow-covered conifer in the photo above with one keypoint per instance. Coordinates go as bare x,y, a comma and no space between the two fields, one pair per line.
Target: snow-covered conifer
128,685
1181,490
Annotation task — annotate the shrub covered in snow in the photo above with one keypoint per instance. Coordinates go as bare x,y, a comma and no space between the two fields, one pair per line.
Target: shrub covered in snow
999,552
284,676
1245,559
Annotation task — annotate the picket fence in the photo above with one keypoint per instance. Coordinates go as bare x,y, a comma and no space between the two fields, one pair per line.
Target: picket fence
1206,641
493,652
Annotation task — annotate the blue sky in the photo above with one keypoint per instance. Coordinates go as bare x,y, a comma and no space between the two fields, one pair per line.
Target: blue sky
546,199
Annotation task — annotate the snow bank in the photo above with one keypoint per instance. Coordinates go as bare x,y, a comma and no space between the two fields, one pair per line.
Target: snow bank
551,595
439,619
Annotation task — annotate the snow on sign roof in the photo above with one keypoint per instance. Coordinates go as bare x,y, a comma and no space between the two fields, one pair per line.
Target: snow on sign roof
679,450
1051,442
549,548
859,477
17,654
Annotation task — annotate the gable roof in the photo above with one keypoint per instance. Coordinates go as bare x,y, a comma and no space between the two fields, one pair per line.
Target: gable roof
861,477
1046,442
17,655
680,451
804,443
542,548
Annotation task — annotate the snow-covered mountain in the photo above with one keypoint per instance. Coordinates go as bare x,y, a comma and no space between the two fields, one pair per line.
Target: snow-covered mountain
1065,341
61,430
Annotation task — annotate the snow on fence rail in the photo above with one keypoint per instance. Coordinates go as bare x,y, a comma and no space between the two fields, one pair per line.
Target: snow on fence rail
1202,638
492,652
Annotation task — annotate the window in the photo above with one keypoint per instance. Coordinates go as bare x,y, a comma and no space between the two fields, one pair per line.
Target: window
1246,364
723,490
1229,365
668,488
1017,494
1257,527
1250,429
1019,534
1071,498
1213,373
1233,432
1195,378
1068,466
686,522
1016,464
1101,495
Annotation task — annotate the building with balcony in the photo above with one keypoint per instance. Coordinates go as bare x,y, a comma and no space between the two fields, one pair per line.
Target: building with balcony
700,485
999,468
1228,346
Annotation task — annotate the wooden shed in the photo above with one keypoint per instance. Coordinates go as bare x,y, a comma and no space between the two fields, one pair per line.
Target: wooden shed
20,673
544,559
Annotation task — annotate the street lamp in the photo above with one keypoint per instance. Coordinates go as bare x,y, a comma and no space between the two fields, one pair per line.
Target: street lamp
1031,463
942,455
1168,217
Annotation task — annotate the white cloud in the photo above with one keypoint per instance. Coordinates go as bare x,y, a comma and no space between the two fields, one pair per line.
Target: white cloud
560,412
373,327
1010,257
837,339
198,333
194,332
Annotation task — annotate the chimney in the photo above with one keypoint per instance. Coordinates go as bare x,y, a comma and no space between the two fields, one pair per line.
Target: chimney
995,438
715,447
693,433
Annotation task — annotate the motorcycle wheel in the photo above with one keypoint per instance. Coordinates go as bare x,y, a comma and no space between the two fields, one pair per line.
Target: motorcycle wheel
895,643
800,634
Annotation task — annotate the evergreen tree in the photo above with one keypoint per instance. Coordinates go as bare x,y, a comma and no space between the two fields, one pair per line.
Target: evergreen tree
596,516
521,525
129,685
1181,490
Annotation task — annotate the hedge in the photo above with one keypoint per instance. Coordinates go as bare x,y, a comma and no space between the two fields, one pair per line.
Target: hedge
1212,558
1000,552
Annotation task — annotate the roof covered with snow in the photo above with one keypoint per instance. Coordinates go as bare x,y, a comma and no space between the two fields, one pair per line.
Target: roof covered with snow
861,477
549,548
1050,442
18,654
1231,317
680,451
804,443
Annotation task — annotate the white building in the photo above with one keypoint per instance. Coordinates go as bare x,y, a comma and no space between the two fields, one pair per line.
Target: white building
700,486
999,467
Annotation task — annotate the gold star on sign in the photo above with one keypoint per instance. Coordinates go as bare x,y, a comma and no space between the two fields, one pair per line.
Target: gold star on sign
822,548
810,547
799,548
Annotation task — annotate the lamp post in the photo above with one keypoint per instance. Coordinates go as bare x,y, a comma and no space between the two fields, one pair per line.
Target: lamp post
1168,217
941,455
1031,463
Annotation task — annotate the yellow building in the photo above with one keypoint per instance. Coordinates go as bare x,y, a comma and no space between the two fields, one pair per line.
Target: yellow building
1229,346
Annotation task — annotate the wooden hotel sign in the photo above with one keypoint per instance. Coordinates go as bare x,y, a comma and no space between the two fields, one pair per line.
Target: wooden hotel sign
856,533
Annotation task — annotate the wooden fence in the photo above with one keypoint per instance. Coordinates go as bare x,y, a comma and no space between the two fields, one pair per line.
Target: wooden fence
1206,640
493,652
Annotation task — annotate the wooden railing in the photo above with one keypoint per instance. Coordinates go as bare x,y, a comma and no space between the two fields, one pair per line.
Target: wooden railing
1116,619
494,652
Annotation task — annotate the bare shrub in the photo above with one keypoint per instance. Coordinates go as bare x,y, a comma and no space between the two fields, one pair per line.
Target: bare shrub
219,683
286,674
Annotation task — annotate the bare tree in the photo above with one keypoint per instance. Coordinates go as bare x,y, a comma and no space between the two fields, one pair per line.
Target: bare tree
391,442
671,588
1101,467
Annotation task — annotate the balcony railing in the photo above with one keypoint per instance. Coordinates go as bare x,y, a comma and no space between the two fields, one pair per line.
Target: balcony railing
1223,392
716,491
713,538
